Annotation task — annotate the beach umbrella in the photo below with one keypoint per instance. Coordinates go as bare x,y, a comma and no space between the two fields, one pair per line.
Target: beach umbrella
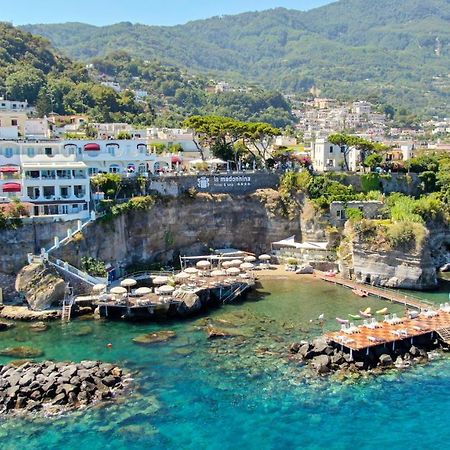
235,263
128,282
250,259
244,276
160,280
203,265
166,289
218,273
181,276
143,291
118,290
233,271
99,287
226,264
247,266
265,258
191,270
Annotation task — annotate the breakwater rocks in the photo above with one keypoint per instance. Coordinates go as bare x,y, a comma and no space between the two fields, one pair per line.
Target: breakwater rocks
53,388
325,359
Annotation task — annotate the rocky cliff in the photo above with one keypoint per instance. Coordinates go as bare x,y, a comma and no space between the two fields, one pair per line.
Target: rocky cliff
186,226
372,261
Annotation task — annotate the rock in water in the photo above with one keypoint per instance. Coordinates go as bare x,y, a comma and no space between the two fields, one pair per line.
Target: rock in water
39,327
153,338
41,285
386,360
22,352
6,326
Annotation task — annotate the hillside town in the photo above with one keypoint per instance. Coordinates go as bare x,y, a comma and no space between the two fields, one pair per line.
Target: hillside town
47,162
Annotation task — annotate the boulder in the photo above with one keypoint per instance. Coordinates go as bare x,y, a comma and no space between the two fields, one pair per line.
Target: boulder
414,351
22,352
294,348
386,360
153,338
320,363
305,269
41,285
39,327
6,326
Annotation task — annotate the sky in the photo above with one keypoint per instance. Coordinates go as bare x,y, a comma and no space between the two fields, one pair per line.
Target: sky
150,12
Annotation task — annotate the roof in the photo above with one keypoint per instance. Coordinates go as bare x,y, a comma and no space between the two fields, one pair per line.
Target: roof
55,165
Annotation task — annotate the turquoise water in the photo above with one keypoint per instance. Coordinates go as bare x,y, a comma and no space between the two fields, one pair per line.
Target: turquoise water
243,392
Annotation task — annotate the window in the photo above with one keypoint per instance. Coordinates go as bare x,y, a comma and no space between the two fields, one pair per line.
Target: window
339,213
48,151
9,152
343,149
114,168
14,122
92,171
331,149
30,152
65,192
49,192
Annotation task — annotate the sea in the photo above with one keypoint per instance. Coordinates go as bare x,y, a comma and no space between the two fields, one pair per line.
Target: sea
242,392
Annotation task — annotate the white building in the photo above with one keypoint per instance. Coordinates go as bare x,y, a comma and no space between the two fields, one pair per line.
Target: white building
328,157
13,105
37,129
53,177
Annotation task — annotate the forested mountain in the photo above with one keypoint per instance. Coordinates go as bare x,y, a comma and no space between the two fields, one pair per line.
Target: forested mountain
31,69
395,51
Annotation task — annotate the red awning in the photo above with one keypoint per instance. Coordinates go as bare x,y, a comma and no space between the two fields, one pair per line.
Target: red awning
176,160
12,187
9,169
92,147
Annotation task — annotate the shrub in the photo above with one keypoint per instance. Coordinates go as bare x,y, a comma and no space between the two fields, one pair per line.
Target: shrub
354,214
292,261
371,182
94,267
406,236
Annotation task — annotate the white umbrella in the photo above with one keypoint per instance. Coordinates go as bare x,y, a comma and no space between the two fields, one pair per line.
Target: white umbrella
160,280
265,258
247,266
128,282
118,290
226,264
99,287
215,161
166,289
218,273
191,270
233,271
182,276
250,259
244,276
203,265
143,291
235,262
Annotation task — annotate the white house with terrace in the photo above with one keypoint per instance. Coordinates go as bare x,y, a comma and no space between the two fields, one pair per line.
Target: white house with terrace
53,177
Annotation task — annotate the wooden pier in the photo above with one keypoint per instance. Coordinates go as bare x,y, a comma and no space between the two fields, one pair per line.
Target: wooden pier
374,334
386,294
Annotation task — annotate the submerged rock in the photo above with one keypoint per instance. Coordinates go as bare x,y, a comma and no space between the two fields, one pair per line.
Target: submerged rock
39,327
6,326
22,352
153,338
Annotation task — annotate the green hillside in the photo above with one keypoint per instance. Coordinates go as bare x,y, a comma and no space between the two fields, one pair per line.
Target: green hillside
31,69
394,52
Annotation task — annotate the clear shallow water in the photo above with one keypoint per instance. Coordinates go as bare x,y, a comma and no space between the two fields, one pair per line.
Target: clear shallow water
238,393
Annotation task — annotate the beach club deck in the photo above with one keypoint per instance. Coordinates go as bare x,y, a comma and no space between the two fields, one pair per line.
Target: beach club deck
392,330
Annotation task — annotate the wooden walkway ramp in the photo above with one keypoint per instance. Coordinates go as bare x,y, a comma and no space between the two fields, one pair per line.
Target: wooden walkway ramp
444,334
387,294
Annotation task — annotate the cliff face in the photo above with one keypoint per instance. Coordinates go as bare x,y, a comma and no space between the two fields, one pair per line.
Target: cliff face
30,238
186,226
375,264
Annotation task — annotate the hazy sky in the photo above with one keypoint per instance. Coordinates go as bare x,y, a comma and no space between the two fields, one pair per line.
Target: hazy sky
151,12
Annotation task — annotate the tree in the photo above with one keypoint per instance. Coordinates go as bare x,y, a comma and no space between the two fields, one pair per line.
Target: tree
344,142
373,160
25,84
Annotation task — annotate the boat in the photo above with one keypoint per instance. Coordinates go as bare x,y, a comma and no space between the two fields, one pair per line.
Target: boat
354,316
360,292
366,313
382,311
342,321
